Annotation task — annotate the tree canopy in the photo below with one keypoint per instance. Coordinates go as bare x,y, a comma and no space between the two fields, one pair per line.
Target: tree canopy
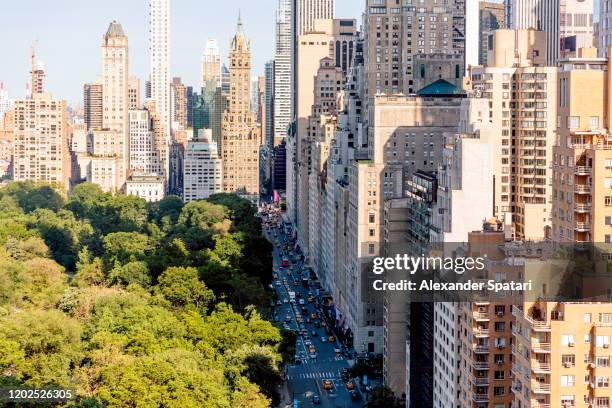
136,304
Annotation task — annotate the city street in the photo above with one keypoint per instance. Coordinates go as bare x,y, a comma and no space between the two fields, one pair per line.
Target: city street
317,358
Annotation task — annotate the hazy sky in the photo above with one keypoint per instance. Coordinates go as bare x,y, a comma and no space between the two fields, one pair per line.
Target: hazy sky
69,34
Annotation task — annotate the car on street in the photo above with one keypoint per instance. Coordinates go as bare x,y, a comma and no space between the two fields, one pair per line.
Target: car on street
316,400
313,333
350,385
317,324
323,339
328,384
313,355
307,342
302,301
332,339
285,301
313,316
288,318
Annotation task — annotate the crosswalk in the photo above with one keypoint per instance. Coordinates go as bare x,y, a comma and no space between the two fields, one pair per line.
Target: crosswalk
304,376
307,360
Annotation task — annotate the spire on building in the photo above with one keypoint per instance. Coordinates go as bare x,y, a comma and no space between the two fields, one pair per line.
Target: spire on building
239,27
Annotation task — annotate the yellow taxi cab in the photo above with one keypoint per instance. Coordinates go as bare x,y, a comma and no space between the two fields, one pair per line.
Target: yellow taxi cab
328,384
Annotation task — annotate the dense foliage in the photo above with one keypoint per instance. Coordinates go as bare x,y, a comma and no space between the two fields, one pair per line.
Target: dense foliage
135,304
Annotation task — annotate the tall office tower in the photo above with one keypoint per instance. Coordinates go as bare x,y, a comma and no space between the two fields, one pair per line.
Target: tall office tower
321,130
159,48
203,169
307,11
92,105
225,79
582,156
211,64
38,73
492,16
179,102
255,98
576,26
133,93
262,117
41,140
540,15
115,98
191,101
208,111
269,104
239,135
144,156
519,85
394,38
282,72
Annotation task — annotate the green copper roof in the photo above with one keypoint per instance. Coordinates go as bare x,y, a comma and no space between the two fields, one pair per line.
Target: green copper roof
440,87
115,30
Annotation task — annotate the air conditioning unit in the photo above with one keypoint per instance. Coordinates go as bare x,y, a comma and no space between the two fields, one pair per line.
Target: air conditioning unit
499,362
570,344
606,345
567,364
500,313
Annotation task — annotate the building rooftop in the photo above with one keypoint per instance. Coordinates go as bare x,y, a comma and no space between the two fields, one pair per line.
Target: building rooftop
440,88
115,30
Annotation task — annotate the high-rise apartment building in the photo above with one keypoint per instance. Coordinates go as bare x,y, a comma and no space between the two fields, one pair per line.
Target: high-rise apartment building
159,49
115,99
40,150
282,72
239,134
211,64
321,130
539,15
582,155
92,106
133,93
203,169
179,103
522,95
395,35
38,74
492,16
208,111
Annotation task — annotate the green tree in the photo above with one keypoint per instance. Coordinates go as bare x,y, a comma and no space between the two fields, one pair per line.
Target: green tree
182,287
123,247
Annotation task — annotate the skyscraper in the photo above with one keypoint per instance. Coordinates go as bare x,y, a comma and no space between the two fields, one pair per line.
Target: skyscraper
541,15
202,174
92,103
225,79
282,73
115,97
38,73
211,63
239,135
159,49
269,104
576,26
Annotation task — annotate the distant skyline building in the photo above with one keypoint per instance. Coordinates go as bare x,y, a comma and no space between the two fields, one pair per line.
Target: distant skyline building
282,72
115,99
269,103
179,103
5,102
239,133
203,169
159,43
225,79
41,140
134,100
211,63
307,11
144,157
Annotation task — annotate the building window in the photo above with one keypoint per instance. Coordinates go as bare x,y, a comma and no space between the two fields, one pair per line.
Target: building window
573,122
371,218
567,380
371,249
568,359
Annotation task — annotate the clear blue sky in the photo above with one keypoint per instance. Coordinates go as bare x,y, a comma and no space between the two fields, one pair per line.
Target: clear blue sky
69,34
